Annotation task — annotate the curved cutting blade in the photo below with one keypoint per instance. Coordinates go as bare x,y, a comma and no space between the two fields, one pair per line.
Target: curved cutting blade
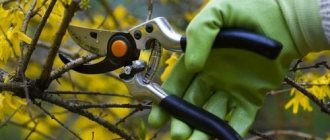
92,40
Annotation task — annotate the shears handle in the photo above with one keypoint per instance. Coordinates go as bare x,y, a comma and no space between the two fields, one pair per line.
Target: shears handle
198,118
246,40
201,119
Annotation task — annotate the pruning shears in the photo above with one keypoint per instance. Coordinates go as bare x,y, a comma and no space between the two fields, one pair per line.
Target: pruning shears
122,49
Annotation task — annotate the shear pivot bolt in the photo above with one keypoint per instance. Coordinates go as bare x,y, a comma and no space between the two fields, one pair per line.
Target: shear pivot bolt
137,34
119,48
149,28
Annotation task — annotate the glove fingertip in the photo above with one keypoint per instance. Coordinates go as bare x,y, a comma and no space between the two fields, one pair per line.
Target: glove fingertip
180,130
157,117
199,135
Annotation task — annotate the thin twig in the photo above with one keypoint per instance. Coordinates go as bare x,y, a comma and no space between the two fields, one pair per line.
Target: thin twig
20,71
92,93
150,9
45,75
32,131
36,131
87,106
259,134
39,8
60,102
35,39
287,132
109,12
275,92
57,73
123,119
41,115
61,50
28,16
11,116
324,107
28,101
58,121
315,66
130,114
296,65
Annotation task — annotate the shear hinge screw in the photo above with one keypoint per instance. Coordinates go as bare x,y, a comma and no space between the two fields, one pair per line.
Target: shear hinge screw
137,34
149,28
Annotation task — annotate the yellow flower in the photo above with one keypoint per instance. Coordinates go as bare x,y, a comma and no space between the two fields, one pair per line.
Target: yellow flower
170,65
10,44
10,35
317,85
298,99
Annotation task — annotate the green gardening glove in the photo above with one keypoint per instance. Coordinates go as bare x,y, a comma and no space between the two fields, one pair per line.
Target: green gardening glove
231,83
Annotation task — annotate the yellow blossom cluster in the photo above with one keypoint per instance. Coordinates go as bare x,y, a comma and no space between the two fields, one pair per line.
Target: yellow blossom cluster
315,83
10,34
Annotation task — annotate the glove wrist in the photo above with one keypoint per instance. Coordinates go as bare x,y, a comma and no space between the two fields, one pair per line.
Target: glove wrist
304,22
325,10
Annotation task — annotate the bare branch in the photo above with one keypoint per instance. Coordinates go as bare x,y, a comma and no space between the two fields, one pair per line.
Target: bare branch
92,93
39,8
123,119
11,86
20,71
275,92
58,121
56,101
45,75
61,50
28,16
41,115
286,132
36,131
315,66
109,12
11,116
32,131
35,39
130,114
150,9
259,134
296,65
57,73
324,107
87,106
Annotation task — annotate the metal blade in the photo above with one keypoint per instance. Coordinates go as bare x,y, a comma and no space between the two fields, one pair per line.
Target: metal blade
92,40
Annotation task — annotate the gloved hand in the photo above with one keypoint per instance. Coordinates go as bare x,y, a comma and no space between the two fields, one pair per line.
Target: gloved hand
232,83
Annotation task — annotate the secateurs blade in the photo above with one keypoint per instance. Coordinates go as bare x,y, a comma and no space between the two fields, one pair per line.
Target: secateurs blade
122,49
119,49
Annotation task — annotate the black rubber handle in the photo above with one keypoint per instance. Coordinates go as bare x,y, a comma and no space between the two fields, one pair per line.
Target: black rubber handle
198,118
247,40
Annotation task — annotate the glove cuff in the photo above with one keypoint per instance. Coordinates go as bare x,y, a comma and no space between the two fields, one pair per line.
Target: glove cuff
304,22
325,10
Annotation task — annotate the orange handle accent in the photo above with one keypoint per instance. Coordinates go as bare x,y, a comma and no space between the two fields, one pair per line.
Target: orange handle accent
119,48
